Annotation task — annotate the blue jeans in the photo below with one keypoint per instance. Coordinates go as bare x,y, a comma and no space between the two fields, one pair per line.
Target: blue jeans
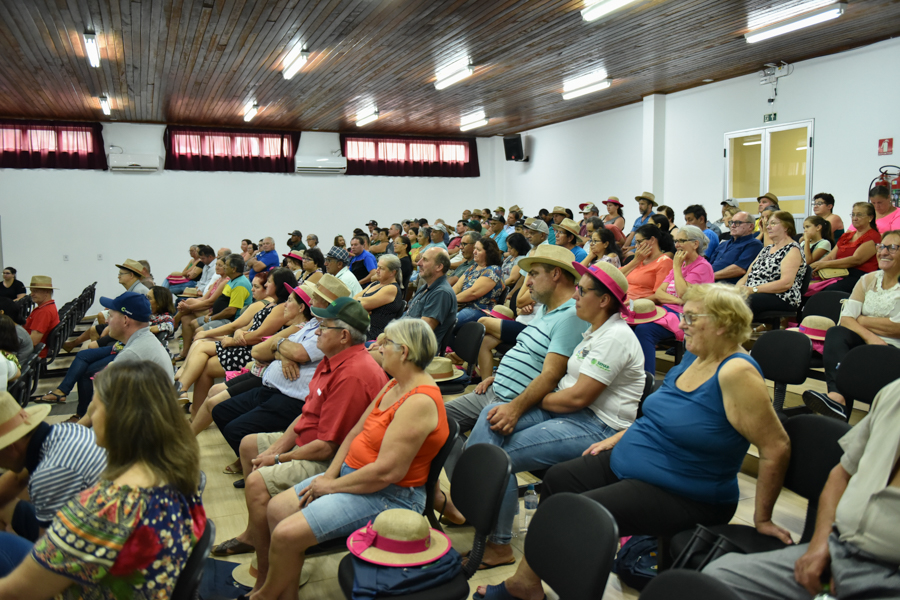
467,315
13,550
559,437
83,361
86,382
339,515
649,335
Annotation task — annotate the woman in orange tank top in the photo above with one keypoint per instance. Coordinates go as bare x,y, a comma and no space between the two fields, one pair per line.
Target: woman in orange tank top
383,463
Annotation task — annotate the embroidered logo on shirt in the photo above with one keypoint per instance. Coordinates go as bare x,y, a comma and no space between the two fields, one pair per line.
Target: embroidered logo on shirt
600,365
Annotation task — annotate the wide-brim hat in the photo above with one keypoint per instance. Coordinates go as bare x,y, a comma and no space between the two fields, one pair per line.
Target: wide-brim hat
16,422
648,197
606,274
246,573
133,266
441,369
500,312
570,226
295,255
42,282
814,327
515,208
500,209
645,311
477,213
330,288
398,538
770,196
612,200
552,255
559,210
303,294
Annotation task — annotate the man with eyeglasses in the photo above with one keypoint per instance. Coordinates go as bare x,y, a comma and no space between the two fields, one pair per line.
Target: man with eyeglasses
467,253
733,257
337,263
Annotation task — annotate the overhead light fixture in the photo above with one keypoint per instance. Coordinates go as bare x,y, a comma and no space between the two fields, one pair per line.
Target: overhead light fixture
471,121
826,13
602,8
91,49
294,61
799,148
453,74
250,110
366,116
580,86
708,80
104,105
756,143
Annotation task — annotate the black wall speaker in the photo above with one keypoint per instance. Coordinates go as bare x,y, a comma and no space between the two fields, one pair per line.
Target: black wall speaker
512,146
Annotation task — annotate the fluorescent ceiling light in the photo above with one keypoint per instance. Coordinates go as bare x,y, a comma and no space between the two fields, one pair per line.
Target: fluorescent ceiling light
802,148
92,50
366,116
453,74
104,105
473,120
756,143
826,13
593,82
602,8
250,110
292,63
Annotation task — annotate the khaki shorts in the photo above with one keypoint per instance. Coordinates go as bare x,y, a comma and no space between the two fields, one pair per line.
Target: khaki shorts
285,476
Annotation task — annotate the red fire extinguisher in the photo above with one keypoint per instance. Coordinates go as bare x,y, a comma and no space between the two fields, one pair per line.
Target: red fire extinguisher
889,177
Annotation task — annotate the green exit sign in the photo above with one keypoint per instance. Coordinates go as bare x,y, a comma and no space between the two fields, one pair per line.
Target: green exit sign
769,118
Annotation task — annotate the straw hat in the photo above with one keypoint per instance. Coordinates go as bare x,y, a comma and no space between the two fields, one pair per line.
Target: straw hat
42,282
612,200
330,288
499,209
770,196
398,538
477,213
15,421
559,210
441,369
572,227
515,208
608,275
133,266
814,327
648,197
645,311
245,574
295,255
500,312
548,254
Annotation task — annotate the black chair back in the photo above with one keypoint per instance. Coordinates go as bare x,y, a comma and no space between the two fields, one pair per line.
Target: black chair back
479,483
575,566
447,341
683,584
784,358
467,343
189,579
814,453
36,364
434,473
865,370
649,385
825,304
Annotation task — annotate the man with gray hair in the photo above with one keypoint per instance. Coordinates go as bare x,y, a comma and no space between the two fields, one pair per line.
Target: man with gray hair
266,259
393,233
466,257
732,258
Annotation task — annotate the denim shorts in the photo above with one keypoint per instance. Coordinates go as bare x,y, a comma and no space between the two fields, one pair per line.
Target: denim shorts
339,515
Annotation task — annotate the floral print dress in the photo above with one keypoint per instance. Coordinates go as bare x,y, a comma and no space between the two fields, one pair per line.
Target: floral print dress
122,543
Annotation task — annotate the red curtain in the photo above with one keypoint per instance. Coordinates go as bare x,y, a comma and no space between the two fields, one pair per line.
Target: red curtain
410,156
205,149
51,145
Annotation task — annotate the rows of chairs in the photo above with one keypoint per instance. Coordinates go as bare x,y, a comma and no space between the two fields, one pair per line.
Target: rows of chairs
26,385
70,315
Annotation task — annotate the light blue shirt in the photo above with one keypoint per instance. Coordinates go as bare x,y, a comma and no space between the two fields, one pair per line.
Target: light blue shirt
500,238
713,243
579,253
273,376
558,331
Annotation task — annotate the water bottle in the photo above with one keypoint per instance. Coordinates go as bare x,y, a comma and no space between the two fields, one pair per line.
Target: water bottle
531,504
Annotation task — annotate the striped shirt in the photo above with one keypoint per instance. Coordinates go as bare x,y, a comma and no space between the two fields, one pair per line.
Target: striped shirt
557,331
63,460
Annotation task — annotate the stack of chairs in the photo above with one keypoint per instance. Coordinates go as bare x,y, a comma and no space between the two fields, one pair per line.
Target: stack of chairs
70,315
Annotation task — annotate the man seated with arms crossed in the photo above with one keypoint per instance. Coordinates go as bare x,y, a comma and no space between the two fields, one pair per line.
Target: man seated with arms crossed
344,383
534,366
265,259
732,258
855,547
239,291
53,462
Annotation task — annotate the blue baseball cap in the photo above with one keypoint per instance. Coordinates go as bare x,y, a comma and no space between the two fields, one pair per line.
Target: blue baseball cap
131,304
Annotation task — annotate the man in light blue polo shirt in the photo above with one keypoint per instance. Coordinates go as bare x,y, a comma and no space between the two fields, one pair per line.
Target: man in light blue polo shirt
533,367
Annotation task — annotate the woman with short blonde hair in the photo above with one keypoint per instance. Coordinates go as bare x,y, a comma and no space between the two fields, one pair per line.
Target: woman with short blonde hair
383,298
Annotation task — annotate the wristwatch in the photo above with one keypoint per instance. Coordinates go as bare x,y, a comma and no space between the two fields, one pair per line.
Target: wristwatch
278,344
755,289
277,461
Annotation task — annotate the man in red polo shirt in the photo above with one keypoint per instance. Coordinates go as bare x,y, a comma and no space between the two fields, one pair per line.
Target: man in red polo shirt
44,317
344,384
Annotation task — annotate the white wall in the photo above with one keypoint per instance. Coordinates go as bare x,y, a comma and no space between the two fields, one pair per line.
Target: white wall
157,216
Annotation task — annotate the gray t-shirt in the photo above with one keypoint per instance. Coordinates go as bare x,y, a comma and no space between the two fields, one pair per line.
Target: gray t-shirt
26,347
437,301
143,345
139,288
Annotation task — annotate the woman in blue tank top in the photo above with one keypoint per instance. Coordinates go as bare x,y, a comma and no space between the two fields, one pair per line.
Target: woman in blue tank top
677,465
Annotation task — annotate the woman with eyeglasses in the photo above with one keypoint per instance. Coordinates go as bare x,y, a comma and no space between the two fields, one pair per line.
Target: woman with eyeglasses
855,250
689,268
823,205
603,247
870,316
313,267
12,288
677,465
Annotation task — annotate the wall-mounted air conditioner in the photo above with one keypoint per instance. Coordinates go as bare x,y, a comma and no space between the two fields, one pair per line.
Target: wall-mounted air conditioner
322,165
135,163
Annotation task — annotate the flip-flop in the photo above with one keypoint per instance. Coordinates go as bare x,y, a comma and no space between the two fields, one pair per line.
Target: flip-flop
229,471
486,567
448,523
57,399
496,592
232,547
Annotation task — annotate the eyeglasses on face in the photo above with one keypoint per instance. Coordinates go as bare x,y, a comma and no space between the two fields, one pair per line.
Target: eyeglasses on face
737,223
818,204
582,290
858,215
689,318
891,248
387,340
683,241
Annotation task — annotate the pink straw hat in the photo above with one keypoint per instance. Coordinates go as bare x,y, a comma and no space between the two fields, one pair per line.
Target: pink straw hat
398,538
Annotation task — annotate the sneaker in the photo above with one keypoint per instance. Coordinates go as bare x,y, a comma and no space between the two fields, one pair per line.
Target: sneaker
821,404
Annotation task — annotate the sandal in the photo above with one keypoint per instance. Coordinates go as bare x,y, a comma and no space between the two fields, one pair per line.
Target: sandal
496,592
74,419
229,471
232,547
56,399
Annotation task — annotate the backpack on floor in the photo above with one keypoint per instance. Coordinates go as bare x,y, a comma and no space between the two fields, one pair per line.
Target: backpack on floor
637,562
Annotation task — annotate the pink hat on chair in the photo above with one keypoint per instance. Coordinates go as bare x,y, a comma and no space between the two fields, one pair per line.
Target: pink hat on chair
398,538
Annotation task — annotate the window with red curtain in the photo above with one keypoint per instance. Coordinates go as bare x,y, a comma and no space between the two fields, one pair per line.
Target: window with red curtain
205,149
410,156
51,145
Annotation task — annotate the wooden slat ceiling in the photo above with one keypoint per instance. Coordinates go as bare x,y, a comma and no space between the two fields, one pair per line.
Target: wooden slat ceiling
199,62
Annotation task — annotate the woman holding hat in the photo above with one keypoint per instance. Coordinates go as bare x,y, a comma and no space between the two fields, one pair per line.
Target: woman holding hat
677,465
870,316
312,267
481,285
383,463
383,298
650,266
12,287
132,532
654,324
614,216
